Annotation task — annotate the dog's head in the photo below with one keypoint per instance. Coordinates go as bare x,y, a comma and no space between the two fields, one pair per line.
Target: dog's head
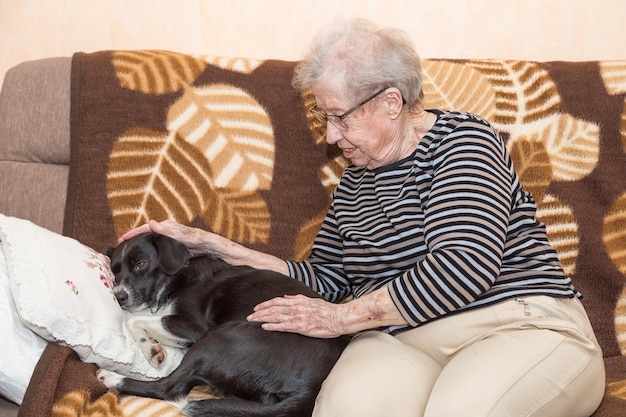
143,267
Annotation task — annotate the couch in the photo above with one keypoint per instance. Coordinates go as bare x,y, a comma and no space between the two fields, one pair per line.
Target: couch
97,143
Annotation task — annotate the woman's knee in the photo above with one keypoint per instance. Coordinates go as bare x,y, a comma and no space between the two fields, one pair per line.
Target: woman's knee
531,372
378,375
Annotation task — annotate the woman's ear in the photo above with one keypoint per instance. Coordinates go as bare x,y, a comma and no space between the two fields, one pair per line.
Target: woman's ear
394,102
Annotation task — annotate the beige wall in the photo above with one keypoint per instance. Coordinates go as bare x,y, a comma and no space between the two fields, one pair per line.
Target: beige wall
524,29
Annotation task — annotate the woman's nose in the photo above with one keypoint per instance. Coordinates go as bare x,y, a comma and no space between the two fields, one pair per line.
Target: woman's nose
333,135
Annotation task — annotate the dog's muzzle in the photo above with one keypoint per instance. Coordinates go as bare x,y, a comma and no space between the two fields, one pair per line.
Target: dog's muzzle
122,296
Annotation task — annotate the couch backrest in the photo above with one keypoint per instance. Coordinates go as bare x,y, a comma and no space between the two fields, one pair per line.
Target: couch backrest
35,141
227,144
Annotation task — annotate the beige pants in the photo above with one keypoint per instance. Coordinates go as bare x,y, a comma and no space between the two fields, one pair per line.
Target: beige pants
536,358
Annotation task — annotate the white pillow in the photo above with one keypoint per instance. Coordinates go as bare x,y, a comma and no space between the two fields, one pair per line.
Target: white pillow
21,348
63,291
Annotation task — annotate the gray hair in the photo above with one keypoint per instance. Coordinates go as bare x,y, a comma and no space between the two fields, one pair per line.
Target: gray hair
362,58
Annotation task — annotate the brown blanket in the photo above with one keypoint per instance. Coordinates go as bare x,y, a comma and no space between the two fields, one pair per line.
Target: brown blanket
58,372
158,135
227,145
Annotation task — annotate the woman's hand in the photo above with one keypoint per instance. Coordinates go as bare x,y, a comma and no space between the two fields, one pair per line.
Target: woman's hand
316,317
312,317
202,241
144,228
195,239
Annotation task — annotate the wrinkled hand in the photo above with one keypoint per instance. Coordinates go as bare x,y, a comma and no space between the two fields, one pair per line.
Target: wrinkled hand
167,227
194,239
204,241
144,228
312,317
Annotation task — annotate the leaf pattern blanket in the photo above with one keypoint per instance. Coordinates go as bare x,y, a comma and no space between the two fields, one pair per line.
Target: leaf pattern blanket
226,144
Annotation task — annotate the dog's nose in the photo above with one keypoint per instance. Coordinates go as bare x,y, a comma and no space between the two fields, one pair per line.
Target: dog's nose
121,295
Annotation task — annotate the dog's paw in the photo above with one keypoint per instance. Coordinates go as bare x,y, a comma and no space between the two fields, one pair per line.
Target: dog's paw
109,378
153,351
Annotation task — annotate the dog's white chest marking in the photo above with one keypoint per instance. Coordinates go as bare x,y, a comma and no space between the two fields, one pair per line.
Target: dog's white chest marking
148,332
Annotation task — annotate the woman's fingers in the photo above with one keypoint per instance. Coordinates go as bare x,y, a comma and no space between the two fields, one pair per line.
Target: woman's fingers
134,232
167,227
312,317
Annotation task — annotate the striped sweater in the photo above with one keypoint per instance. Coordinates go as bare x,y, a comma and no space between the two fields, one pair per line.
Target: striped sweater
448,228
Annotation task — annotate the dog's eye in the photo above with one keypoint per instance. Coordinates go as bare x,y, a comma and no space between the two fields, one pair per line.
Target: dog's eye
140,265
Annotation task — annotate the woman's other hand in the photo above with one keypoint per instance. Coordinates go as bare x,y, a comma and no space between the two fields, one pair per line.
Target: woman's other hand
312,317
316,317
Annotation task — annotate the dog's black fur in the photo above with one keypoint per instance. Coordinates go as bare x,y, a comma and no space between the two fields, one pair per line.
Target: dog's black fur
258,372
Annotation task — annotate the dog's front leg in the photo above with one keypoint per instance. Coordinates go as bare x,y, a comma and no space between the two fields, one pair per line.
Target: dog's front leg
109,378
149,334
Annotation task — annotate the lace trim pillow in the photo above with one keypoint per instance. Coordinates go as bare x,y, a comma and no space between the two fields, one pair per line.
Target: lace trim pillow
63,291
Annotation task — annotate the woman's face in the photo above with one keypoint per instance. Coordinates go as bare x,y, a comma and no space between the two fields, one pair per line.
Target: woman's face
373,138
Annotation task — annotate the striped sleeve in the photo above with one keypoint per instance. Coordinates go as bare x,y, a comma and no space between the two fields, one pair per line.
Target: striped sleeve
323,271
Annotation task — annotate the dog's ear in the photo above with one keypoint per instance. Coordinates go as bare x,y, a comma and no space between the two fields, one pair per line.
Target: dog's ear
172,254
110,252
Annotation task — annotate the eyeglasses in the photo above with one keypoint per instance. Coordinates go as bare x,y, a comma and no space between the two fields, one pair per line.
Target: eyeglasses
338,120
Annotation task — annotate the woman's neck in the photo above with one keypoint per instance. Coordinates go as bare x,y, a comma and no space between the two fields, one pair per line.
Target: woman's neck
421,121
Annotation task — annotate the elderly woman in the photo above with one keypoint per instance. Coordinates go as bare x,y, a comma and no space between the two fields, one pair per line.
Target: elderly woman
458,303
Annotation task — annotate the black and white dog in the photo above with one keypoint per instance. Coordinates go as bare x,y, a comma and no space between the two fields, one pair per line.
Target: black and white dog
202,302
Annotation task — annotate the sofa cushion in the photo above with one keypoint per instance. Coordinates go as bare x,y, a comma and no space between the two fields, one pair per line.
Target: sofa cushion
35,151
36,91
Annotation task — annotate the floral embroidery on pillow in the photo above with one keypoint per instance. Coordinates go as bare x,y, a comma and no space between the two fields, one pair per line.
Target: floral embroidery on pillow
72,286
101,263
